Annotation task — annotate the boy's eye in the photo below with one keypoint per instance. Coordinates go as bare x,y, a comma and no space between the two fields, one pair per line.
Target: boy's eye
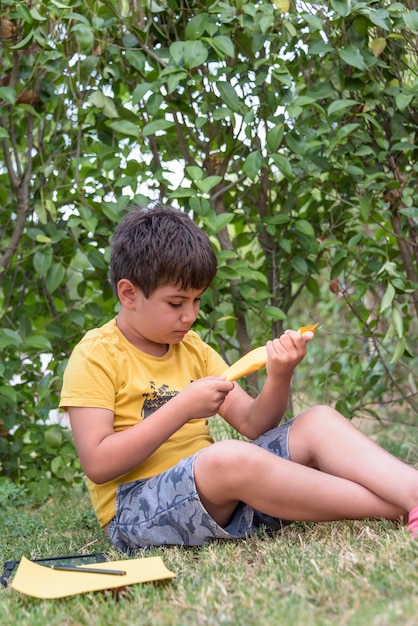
177,305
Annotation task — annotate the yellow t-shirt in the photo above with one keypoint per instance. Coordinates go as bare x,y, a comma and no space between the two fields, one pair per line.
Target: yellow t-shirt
106,371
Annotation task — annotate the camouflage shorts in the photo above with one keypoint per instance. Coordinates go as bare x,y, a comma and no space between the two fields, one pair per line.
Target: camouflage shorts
166,509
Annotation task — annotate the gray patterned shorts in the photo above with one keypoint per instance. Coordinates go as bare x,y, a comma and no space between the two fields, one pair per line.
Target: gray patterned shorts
166,509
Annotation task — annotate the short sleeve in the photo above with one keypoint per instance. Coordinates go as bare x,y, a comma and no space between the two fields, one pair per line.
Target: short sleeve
90,377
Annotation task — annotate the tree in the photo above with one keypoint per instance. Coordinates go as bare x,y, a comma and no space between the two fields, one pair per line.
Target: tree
289,132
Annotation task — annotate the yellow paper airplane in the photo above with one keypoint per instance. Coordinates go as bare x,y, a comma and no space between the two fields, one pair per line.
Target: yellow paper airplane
250,362
45,582
256,359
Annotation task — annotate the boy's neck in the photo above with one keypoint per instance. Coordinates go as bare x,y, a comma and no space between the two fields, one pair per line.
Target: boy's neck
141,343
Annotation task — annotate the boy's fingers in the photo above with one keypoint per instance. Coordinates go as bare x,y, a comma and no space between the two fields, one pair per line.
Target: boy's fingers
308,335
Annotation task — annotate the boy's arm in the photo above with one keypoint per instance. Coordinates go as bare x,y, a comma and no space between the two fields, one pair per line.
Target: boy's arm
105,454
253,417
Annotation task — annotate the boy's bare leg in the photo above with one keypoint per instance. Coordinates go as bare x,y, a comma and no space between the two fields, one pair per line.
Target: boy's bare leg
324,439
356,479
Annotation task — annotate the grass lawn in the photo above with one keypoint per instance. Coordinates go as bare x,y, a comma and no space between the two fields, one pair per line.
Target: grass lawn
345,573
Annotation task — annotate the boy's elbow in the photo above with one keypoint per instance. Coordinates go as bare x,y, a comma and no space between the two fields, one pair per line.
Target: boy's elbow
96,475
97,478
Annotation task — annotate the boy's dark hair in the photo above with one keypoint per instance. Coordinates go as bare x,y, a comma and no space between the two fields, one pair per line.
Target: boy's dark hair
161,245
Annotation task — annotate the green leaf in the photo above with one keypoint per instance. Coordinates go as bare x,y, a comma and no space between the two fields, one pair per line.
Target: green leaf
8,393
285,244
283,164
303,226
223,113
112,211
96,258
77,317
175,79
218,222
252,165
314,22
299,265
98,99
403,100
222,45
346,131
42,260
280,218
410,212
366,206
339,105
197,26
56,464
274,137
136,59
229,96
182,192
387,298
341,7
34,13
353,57
155,126
208,183
397,321
140,91
247,272
24,43
190,53
39,342
313,287
85,36
59,5
8,94
274,313
55,277
124,127
399,350
410,19
9,338
380,17
194,172
53,437
340,262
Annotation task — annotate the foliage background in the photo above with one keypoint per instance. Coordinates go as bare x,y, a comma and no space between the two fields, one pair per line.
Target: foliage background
288,130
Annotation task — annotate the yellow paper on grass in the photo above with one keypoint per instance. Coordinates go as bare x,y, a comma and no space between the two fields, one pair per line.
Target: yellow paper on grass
39,581
255,359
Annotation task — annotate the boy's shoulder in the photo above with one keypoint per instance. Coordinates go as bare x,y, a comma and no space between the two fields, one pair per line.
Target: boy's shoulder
193,338
107,332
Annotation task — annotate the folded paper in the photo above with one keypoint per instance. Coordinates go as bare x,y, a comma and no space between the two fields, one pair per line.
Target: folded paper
250,362
44,582
256,359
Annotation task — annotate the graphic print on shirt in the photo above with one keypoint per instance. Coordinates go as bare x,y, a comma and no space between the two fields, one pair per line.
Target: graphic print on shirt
156,399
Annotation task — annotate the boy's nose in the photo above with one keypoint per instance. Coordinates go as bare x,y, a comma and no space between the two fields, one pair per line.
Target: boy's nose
188,315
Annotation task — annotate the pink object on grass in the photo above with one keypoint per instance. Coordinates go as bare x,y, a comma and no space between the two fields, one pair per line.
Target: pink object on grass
413,523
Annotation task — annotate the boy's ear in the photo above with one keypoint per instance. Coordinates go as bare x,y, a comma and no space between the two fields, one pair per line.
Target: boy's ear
126,293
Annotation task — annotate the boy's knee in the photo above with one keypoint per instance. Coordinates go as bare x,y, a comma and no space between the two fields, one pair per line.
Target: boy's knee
321,412
223,459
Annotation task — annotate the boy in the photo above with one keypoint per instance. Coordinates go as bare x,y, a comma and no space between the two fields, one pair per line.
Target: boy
139,392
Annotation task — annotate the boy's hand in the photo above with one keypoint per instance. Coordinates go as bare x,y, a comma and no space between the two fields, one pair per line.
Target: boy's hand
203,397
285,352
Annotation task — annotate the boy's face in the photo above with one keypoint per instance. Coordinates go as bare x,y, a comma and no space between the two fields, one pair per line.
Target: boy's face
165,316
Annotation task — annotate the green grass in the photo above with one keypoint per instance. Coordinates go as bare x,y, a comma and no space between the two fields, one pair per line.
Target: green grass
345,573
